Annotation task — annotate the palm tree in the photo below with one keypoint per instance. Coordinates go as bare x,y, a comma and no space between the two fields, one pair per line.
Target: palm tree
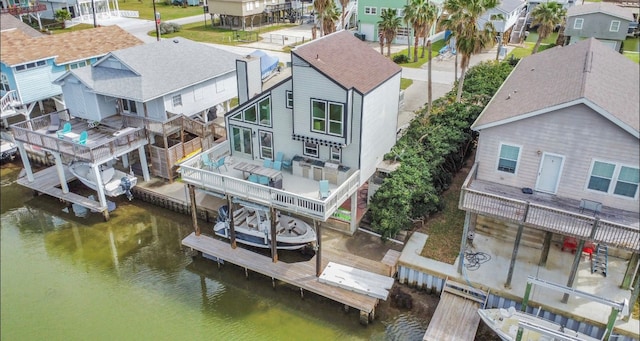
329,18
388,25
319,6
344,4
547,16
421,14
470,39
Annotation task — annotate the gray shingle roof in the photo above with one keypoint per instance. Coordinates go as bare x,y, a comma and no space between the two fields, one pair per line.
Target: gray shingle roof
586,72
157,69
348,61
600,7
8,22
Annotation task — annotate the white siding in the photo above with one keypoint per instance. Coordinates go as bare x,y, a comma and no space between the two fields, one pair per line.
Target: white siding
379,125
578,133
203,96
36,84
282,123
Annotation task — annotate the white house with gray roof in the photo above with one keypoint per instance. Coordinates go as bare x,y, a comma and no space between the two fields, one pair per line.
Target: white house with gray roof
173,76
604,21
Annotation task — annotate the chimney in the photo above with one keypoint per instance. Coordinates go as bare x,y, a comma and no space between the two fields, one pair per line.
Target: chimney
249,76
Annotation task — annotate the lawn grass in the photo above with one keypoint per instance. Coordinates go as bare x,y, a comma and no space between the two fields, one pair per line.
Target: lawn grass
634,56
405,83
435,47
79,27
445,228
631,44
207,34
167,12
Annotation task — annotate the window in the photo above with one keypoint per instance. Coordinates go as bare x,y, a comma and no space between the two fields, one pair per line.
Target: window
266,145
311,149
257,4
400,12
265,111
4,83
508,160
327,117
250,114
74,66
624,178
370,10
335,154
31,65
290,99
615,26
249,6
578,23
129,106
177,100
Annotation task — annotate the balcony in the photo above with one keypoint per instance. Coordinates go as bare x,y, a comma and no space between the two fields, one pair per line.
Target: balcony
19,10
298,195
103,142
612,227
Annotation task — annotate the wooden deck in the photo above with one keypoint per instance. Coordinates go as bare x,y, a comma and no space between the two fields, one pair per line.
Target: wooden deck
47,181
300,274
456,317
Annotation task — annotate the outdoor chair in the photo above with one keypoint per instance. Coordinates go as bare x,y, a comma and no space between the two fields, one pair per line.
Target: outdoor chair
55,123
206,161
82,139
220,163
253,178
324,189
277,165
65,129
267,163
263,180
285,163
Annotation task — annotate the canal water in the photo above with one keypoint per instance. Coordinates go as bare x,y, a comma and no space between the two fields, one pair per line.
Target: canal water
65,277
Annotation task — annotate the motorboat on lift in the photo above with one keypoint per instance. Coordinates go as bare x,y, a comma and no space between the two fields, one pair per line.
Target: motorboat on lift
253,227
114,182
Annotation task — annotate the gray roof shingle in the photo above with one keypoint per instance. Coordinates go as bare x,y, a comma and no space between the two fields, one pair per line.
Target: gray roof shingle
9,22
348,61
157,69
587,71
600,7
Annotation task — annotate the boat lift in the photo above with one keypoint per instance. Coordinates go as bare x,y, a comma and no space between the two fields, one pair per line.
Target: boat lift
616,307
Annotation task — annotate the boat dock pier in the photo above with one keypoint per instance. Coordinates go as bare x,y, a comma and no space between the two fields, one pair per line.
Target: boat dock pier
456,316
299,274
47,182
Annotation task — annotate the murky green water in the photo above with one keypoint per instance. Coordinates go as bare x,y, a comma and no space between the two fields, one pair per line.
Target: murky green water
70,278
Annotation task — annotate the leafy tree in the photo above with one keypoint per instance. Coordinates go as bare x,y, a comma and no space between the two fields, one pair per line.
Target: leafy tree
547,16
319,6
421,14
470,38
388,25
330,17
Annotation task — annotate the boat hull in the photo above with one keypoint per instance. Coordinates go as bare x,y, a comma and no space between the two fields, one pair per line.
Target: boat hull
113,180
291,233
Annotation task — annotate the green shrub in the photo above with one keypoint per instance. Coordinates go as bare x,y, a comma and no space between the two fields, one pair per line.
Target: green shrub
400,59
169,27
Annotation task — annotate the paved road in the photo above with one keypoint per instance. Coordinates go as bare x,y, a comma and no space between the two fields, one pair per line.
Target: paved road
415,97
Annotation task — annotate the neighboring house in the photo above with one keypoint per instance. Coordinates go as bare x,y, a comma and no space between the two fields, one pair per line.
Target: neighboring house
558,154
82,9
508,19
172,84
9,22
250,13
23,8
606,22
29,64
369,12
334,119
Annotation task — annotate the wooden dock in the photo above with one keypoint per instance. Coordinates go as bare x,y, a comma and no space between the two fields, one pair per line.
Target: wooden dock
300,274
456,317
47,182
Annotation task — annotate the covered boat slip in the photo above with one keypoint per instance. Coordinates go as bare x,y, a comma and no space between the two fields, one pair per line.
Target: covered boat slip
299,274
456,317
47,181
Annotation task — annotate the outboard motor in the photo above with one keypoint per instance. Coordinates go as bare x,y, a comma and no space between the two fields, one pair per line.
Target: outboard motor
223,214
125,183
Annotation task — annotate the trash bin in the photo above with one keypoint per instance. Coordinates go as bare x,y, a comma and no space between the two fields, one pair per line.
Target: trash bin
359,36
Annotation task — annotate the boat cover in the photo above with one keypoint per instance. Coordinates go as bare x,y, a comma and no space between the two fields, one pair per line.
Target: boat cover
267,63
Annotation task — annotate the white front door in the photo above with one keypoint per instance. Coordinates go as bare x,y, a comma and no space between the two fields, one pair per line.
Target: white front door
549,173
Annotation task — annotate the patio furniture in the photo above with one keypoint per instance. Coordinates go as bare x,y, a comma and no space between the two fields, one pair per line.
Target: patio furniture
55,123
220,163
285,163
65,129
590,205
324,189
263,180
267,163
82,139
206,161
253,178
277,165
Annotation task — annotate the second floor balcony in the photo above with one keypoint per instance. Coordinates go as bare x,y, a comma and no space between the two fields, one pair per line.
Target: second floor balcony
610,226
296,194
